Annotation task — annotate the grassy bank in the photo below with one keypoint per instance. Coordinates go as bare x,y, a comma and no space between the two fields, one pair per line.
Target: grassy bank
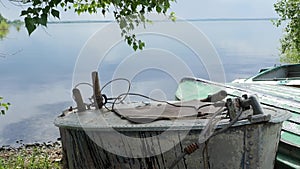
33,156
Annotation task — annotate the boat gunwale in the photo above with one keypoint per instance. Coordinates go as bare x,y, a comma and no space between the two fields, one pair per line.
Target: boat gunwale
256,78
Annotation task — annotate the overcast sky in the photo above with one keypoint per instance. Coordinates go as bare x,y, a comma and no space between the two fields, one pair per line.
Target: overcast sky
187,9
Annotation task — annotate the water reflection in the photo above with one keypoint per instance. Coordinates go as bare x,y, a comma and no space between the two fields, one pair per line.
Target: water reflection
37,128
38,80
3,29
5,24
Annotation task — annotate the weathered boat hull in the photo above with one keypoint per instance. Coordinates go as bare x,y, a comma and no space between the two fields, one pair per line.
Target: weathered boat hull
236,148
281,97
88,143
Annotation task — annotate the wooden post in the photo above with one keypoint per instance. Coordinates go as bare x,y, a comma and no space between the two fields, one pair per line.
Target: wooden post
97,92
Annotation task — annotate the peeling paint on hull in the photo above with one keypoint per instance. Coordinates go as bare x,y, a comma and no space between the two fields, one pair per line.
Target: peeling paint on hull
244,146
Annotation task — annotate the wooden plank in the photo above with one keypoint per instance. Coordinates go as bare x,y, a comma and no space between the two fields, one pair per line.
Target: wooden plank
295,118
290,138
291,127
278,91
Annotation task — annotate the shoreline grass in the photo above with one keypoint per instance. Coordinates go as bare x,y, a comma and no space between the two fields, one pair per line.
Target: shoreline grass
33,156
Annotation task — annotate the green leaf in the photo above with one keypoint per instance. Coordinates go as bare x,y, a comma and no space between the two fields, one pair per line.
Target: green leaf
23,13
123,23
135,46
30,25
141,45
46,9
36,2
131,26
129,40
158,9
55,13
172,16
43,19
62,4
56,2
5,105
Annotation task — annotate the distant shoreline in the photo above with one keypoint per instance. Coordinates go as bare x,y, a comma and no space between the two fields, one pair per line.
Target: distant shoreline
178,20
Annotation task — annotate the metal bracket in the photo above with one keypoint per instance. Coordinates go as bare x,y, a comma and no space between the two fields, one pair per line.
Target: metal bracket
244,104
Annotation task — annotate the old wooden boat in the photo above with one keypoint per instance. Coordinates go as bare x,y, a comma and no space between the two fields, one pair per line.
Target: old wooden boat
276,96
200,133
288,75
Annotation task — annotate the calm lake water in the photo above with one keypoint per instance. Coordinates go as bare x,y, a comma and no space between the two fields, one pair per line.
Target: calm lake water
37,72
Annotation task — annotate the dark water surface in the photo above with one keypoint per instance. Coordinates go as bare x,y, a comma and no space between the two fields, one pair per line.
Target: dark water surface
36,74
